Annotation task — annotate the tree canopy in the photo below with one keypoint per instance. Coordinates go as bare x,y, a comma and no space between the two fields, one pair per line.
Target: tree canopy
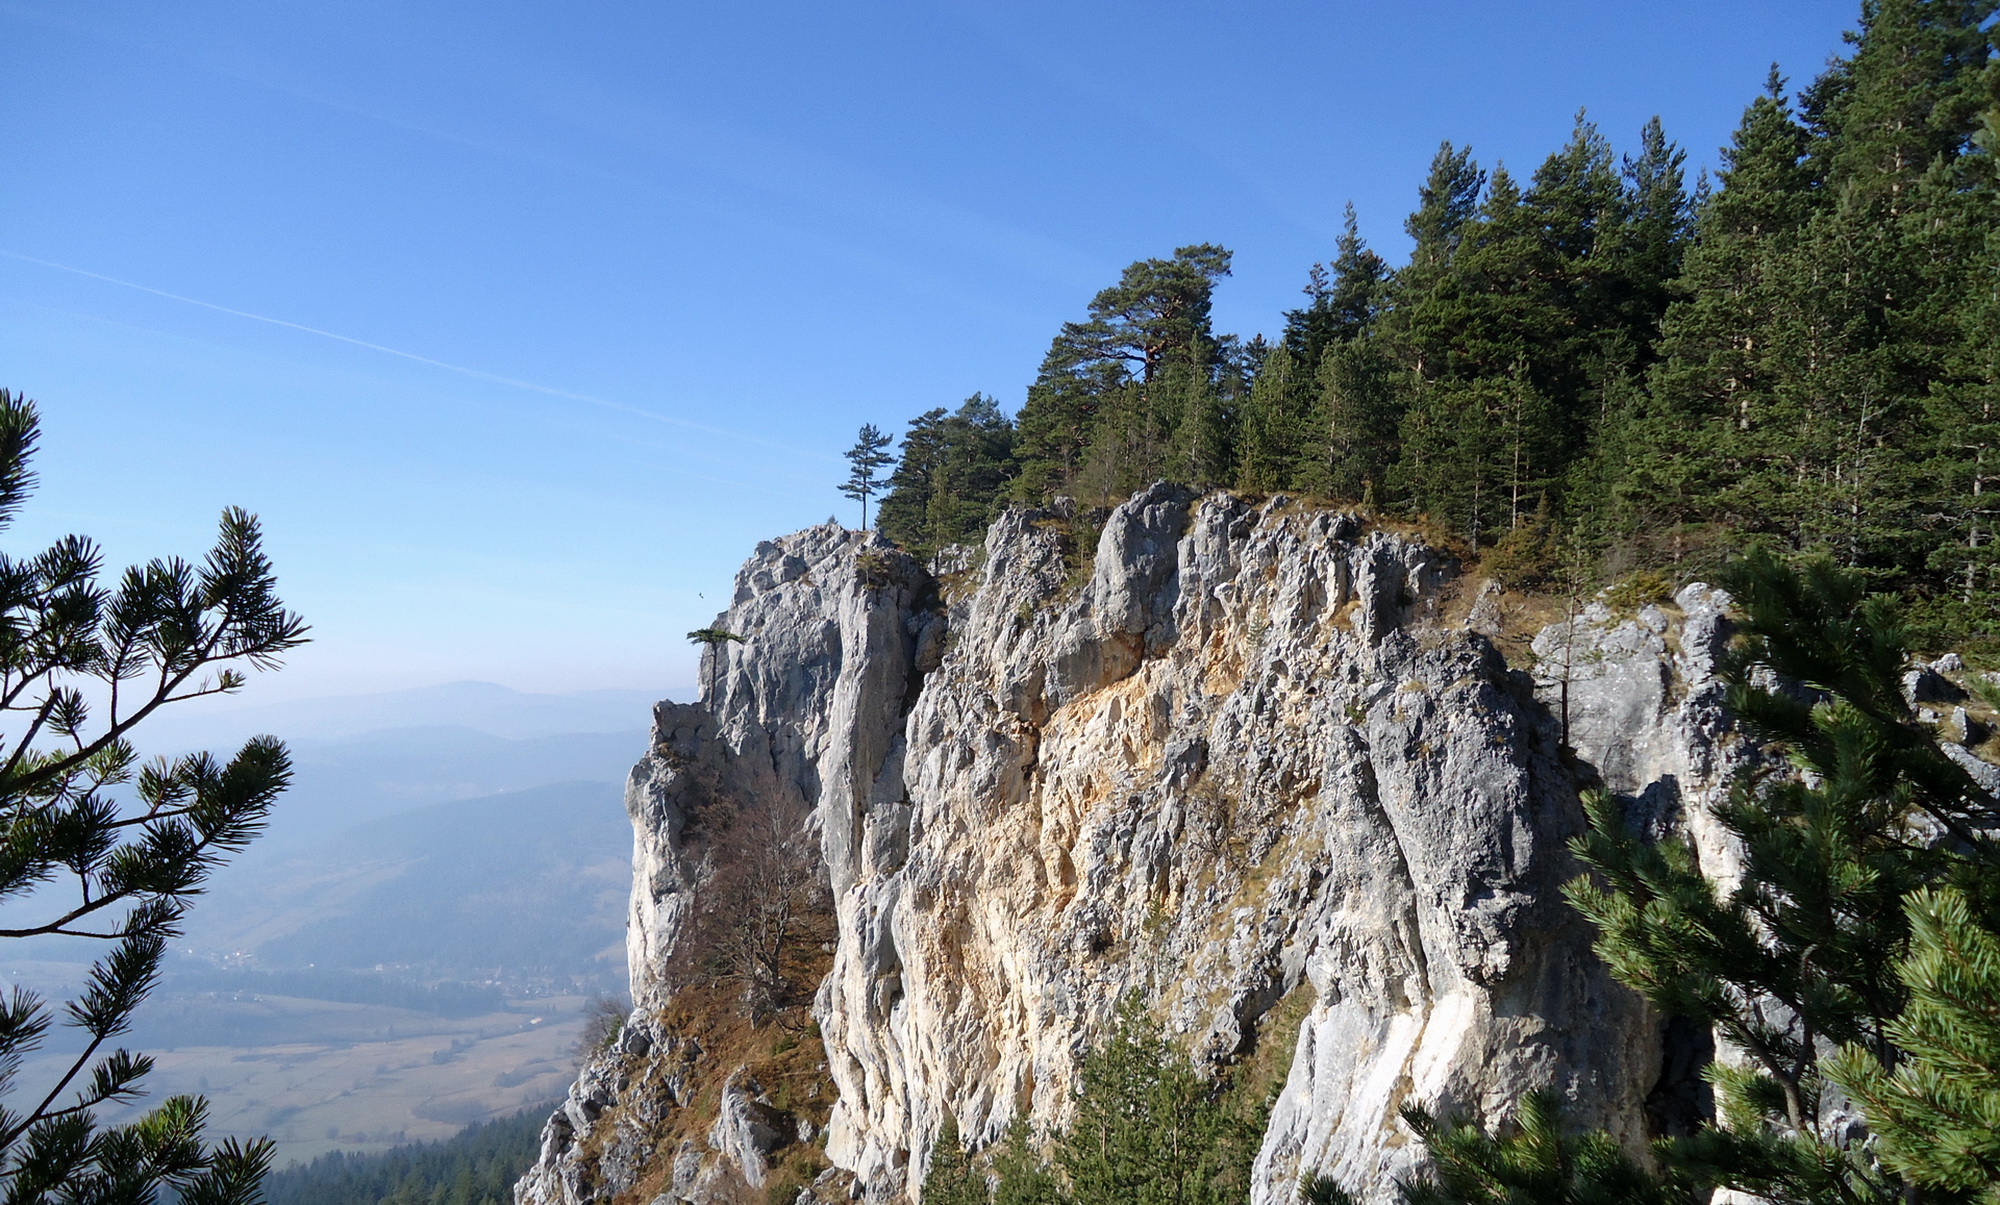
1802,353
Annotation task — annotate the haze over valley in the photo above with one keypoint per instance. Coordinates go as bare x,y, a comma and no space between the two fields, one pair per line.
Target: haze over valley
411,946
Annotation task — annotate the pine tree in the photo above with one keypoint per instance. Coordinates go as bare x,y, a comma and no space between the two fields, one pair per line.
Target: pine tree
1021,1177
1696,455
1210,406
1273,426
1147,1129
954,469
1104,410
1653,240
1446,203
1937,1114
128,846
1965,413
1353,424
1799,955
951,1179
865,459
1344,302
1808,951
1538,1164
714,644
1341,384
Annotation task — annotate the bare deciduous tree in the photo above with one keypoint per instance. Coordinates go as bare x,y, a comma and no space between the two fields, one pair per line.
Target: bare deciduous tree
763,898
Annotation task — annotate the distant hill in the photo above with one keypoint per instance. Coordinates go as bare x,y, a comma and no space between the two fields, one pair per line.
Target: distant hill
519,886
481,706
411,945
354,780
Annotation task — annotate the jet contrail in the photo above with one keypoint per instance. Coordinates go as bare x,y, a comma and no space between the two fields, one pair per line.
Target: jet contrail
479,374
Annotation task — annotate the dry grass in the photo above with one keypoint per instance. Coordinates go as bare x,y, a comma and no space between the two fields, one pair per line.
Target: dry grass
363,1078
784,1056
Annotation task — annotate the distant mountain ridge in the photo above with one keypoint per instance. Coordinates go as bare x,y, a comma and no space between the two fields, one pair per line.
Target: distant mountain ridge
484,707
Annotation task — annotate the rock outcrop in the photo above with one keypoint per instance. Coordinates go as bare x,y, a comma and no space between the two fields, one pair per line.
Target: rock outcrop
1245,769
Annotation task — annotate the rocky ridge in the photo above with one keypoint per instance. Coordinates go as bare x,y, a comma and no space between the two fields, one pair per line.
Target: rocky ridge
1247,769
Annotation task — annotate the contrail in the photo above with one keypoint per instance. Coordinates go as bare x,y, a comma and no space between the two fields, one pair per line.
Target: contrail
462,370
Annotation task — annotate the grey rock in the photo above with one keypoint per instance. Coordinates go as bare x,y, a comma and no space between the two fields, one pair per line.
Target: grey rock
746,1130
1986,774
1485,616
1925,684
1242,764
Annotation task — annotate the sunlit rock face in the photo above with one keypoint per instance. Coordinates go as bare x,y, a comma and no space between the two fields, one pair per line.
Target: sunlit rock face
1244,768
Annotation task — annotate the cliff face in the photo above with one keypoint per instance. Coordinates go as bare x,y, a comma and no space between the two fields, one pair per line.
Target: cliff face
1247,764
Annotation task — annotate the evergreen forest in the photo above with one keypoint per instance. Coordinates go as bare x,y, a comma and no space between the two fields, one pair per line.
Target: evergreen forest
1597,367
477,1166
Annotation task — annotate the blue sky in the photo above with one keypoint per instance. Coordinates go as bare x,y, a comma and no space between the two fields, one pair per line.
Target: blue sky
520,324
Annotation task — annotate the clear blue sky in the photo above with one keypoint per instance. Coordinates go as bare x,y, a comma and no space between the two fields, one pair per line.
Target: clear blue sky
588,298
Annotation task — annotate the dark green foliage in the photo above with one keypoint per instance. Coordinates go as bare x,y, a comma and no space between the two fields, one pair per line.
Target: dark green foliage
82,664
1020,1175
1822,374
714,644
1342,304
1323,1190
1938,1111
951,1179
1106,411
1801,954
1148,1129
478,1166
1811,949
954,470
865,459
1537,1164
1275,424
1805,357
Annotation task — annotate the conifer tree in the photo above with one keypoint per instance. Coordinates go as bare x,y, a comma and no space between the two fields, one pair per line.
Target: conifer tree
1113,388
1446,203
1356,412
1810,950
714,644
1344,299
1020,1175
1147,1129
954,468
1208,396
951,1179
1696,455
1540,1163
1341,382
1937,1113
1658,225
1273,426
1964,412
865,459
81,666
1800,953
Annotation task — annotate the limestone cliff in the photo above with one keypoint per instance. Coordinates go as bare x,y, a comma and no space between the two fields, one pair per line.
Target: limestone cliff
1246,762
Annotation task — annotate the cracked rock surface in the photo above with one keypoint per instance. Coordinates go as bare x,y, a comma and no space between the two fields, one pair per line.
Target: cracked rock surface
1246,762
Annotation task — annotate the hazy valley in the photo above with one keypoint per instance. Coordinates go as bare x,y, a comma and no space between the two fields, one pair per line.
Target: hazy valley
410,947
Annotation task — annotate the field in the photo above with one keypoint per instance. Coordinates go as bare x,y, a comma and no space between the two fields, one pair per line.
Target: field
370,1077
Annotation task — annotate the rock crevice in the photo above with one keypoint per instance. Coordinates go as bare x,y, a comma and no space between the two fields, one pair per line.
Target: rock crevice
1246,757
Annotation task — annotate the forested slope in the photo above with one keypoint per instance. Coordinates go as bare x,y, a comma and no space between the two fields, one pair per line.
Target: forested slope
1595,367
477,1167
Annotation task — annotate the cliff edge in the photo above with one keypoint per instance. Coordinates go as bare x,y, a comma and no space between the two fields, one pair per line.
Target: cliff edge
1245,768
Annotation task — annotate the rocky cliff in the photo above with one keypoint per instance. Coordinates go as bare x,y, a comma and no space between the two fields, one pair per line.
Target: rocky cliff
1250,766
